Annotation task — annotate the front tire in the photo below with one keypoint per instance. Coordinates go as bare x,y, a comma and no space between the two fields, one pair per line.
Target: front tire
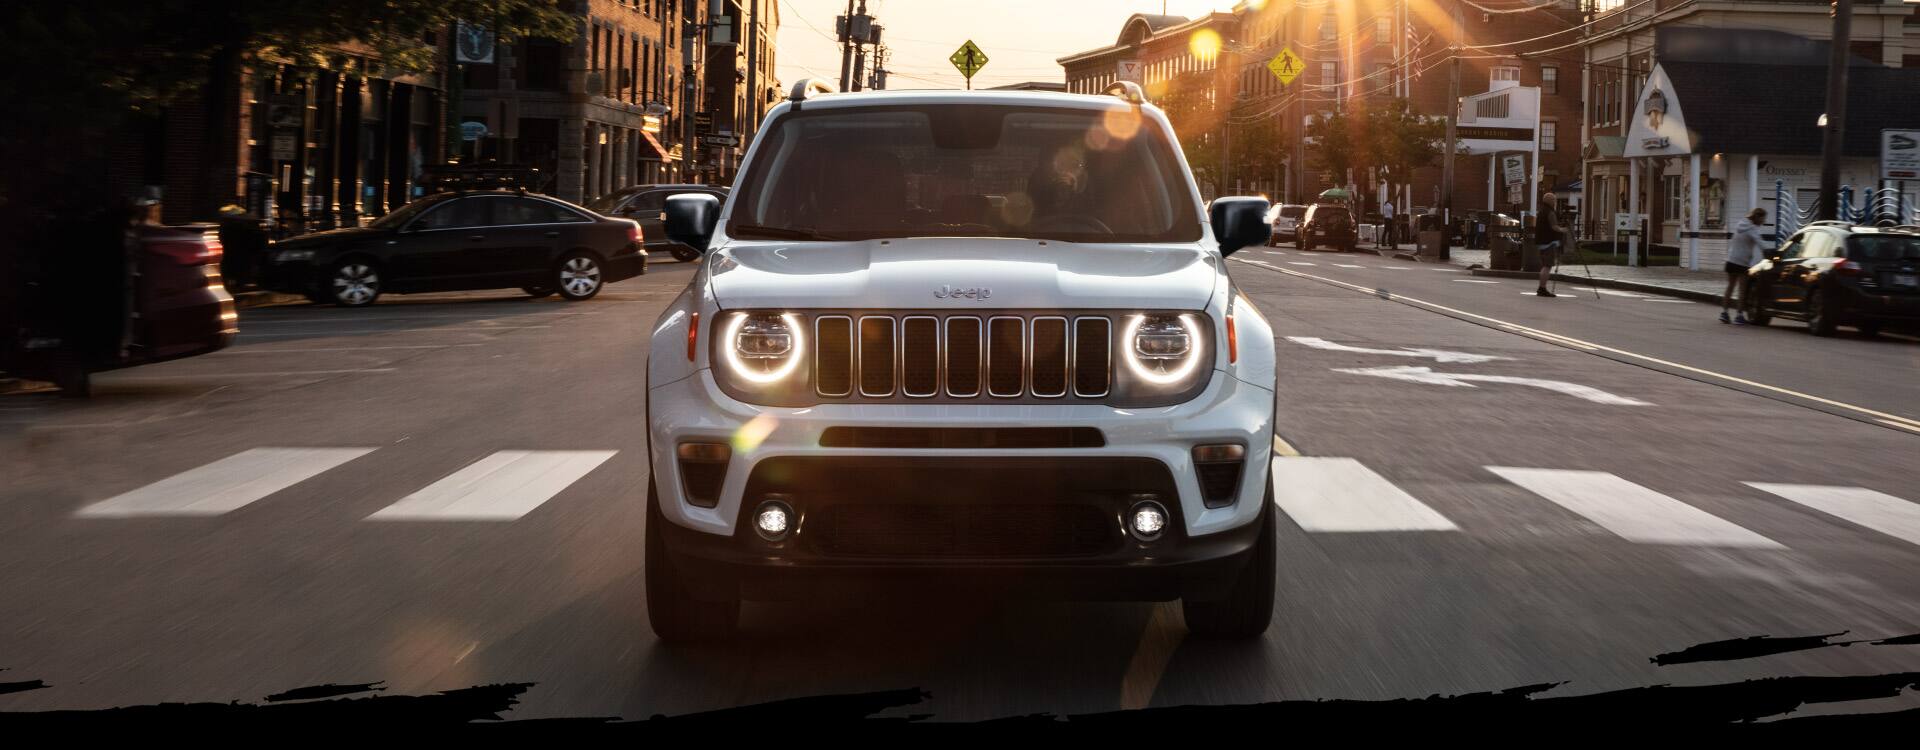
672,610
1248,608
685,254
537,292
578,276
355,282
1820,320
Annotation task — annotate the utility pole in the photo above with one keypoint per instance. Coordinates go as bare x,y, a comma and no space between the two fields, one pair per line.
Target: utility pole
689,37
754,98
846,48
1835,120
1453,115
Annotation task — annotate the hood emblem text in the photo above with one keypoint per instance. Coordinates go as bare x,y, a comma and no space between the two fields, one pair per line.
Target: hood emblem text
971,292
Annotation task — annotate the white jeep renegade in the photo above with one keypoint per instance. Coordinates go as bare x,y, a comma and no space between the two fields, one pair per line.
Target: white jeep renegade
948,342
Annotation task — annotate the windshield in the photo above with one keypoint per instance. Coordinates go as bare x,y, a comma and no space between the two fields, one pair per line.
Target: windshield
965,171
607,202
1293,212
1884,247
406,213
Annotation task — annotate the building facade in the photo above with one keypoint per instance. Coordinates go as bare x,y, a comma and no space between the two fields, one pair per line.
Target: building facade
738,96
1747,81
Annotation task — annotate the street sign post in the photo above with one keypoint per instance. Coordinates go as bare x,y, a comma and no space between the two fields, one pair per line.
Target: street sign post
1900,154
1514,166
1286,66
969,59
1128,70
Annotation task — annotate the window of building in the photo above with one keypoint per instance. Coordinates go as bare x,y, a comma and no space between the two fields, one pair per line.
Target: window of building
1670,184
541,64
1506,73
1329,73
1549,135
1549,79
1327,30
1383,30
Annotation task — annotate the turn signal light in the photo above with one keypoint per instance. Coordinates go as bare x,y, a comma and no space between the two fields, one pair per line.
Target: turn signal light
693,334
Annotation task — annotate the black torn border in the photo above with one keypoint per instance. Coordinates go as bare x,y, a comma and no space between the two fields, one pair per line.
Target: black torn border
1765,705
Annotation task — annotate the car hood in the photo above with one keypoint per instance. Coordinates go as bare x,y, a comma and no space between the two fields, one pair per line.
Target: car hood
989,273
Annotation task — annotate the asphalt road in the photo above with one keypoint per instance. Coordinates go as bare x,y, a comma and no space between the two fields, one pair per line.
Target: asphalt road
1614,524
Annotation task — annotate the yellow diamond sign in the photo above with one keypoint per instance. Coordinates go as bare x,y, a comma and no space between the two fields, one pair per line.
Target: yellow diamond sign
1286,66
969,59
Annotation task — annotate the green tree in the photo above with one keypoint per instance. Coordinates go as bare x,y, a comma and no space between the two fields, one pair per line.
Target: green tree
1196,118
1401,141
1339,143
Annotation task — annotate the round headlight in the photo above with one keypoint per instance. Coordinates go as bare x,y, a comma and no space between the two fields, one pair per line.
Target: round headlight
1161,349
763,347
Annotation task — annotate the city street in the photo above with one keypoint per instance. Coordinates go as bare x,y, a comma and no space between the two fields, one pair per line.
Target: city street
1491,490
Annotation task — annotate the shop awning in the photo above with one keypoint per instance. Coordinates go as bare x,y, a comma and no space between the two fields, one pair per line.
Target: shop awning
1607,147
653,151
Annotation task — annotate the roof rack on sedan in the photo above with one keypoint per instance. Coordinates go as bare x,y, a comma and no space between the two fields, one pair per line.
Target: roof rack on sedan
1127,91
808,87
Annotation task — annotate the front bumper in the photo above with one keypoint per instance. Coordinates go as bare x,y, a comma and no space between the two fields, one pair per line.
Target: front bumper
1227,411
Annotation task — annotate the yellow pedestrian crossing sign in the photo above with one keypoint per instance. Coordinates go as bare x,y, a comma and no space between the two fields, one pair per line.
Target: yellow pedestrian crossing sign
1286,65
969,59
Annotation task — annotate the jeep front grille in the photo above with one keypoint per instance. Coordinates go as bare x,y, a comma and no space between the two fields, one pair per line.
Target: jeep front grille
919,356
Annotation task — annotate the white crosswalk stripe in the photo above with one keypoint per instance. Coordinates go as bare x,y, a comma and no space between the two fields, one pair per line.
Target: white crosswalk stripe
1875,510
1340,494
224,485
1633,512
500,487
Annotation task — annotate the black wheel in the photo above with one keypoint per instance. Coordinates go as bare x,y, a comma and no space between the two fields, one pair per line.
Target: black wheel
537,292
1820,320
578,276
672,610
354,282
685,254
1248,608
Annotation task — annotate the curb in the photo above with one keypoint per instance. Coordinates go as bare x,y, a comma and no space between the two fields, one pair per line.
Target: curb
244,300
1631,286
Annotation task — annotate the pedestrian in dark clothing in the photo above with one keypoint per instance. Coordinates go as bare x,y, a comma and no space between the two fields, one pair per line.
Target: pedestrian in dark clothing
1547,236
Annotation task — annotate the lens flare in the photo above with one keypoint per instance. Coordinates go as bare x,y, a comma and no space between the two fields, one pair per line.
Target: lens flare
753,433
1204,44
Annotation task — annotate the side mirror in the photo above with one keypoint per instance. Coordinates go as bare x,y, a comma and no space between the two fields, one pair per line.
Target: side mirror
1239,222
690,218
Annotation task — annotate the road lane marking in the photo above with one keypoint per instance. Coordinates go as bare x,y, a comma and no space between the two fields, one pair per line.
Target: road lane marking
1283,448
500,487
1631,511
1901,425
272,374
1397,268
1342,495
1884,417
1537,294
1459,379
1474,281
1438,355
1348,265
426,329
1299,263
1158,641
1669,301
1875,510
341,348
1618,293
224,485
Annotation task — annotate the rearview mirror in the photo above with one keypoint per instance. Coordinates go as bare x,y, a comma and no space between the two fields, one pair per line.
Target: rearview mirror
1239,222
690,219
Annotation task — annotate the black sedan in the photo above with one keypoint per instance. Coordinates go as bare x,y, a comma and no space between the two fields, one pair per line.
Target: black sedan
647,204
459,241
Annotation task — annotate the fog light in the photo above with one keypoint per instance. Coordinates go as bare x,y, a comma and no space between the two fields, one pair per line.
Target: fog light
772,520
1147,520
705,452
1207,454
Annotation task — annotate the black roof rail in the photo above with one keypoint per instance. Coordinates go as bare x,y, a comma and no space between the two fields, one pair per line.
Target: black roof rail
1128,91
808,87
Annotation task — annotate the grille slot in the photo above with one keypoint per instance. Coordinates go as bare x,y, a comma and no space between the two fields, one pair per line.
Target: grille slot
963,357
1048,359
920,356
924,356
876,356
833,364
1005,370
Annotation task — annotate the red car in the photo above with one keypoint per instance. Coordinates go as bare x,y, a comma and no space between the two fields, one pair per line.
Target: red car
172,304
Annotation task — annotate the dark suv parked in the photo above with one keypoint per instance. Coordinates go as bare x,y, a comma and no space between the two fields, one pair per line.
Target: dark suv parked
1326,224
1832,274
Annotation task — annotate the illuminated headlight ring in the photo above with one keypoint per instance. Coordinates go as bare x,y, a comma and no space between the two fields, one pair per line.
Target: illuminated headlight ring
729,347
1152,375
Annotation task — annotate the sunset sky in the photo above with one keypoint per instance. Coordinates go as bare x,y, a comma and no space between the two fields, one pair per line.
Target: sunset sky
1021,37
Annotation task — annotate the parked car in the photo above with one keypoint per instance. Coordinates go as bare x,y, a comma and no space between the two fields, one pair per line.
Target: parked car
165,302
1327,224
1832,274
1284,218
1064,397
646,204
461,240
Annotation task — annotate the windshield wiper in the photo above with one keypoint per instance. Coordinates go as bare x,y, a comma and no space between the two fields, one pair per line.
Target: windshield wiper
759,231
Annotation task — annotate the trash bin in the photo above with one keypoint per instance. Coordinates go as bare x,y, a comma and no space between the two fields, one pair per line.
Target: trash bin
1505,244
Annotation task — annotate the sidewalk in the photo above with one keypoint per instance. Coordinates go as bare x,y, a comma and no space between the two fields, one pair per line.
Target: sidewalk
1663,280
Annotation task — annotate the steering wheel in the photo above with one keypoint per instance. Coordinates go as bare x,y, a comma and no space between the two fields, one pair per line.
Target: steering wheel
1074,221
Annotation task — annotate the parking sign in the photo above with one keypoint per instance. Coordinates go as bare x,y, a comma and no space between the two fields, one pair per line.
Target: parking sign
1900,154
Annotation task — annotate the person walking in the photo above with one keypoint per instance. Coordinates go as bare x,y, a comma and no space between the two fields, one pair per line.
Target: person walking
1742,253
1386,212
1547,236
